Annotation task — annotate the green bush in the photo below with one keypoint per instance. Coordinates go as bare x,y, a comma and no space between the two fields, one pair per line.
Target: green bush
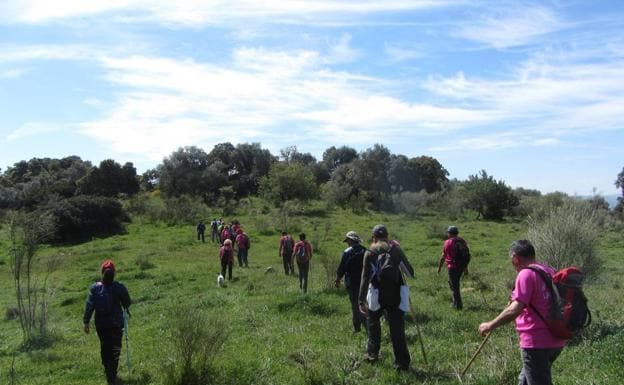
568,235
196,340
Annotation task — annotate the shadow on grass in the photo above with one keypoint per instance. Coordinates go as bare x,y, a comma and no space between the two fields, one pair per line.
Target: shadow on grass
38,342
312,305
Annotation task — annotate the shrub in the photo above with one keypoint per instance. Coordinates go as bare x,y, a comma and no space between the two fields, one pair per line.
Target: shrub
411,203
82,217
196,339
568,235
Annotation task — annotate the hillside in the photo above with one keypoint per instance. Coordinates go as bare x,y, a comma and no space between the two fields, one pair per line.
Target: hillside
274,334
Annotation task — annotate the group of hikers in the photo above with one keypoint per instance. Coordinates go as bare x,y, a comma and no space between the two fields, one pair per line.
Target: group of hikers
375,279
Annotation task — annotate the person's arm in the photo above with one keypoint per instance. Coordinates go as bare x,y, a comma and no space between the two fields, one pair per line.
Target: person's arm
88,312
342,268
508,314
364,282
441,263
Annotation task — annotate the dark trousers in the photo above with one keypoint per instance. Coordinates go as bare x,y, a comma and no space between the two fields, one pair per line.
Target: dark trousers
396,322
228,265
304,268
288,264
200,235
110,349
357,318
454,276
215,236
242,257
536,365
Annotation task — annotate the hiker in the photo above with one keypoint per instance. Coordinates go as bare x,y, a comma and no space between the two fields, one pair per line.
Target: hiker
226,256
106,298
214,226
453,253
225,234
243,244
530,294
201,227
351,268
302,252
286,245
389,256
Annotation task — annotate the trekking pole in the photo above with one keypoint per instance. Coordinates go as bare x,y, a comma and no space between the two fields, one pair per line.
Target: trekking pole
487,336
422,344
125,317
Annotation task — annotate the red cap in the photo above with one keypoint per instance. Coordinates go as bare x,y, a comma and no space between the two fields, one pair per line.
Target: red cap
108,264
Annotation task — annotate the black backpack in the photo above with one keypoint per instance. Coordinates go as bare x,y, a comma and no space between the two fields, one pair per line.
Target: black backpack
387,278
301,255
288,246
462,253
103,299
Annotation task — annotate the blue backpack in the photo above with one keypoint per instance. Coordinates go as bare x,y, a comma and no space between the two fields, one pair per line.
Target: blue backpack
103,298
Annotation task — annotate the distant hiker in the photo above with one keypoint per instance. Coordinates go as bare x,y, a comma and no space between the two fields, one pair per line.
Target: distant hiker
214,225
201,227
226,256
286,246
383,268
225,234
530,295
351,268
243,244
302,253
456,254
106,298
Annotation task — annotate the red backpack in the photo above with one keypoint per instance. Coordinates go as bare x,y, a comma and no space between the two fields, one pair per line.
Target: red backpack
569,312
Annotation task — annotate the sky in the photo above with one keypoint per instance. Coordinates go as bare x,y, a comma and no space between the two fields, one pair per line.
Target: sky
532,92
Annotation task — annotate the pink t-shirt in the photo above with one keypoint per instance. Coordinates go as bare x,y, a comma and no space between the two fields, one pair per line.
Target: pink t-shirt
531,289
449,252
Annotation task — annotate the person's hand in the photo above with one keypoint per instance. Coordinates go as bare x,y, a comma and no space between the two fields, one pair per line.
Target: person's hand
485,328
337,283
86,328
364,309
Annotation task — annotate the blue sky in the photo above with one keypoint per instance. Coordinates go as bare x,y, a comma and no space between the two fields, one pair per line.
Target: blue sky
532,92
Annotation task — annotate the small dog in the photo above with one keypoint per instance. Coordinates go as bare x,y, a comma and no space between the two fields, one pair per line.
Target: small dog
220,280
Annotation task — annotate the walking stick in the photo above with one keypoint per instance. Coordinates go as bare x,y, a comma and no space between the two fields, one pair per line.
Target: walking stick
125,317
422,345
475,354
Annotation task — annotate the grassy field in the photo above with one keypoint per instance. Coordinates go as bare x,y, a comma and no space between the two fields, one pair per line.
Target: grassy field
275,335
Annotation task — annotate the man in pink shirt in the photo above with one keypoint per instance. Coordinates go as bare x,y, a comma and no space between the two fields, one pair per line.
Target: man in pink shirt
539,347
455,267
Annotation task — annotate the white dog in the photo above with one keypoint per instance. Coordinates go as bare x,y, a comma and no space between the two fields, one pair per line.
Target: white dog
220,280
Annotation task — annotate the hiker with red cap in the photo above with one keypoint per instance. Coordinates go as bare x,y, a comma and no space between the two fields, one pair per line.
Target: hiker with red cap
108,299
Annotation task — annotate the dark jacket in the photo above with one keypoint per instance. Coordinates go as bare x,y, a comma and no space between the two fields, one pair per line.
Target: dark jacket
351,265
113,315
370,259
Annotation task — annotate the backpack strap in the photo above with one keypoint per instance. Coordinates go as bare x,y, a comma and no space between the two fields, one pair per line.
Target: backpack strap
555,300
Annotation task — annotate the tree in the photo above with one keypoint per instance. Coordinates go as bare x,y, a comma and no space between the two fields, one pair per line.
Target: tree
431,175
619,183
110,179
288,181
489,198
184,172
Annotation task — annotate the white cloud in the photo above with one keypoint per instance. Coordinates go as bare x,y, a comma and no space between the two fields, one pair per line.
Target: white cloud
32,129
13,73
512,27
342,52
203,12
400,53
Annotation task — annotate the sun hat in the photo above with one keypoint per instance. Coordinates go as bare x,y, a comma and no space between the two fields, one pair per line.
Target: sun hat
352,235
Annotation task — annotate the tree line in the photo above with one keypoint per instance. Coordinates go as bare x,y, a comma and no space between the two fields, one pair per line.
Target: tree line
81,200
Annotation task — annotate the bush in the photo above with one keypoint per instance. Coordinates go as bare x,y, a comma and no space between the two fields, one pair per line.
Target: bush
568,235
411,203
82,217
196,339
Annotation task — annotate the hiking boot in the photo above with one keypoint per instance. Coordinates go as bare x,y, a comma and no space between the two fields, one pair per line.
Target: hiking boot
400,368
369,357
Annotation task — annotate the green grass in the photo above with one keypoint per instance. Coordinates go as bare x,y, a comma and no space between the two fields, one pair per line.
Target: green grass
275,335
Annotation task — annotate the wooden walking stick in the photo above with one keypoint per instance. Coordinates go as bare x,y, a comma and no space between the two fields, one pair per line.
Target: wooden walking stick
487,336
422,345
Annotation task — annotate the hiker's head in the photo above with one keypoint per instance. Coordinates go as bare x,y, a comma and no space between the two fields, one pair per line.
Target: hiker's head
302,237
352,238
380,232
522,253
108,271
227,242
452,231
284,233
